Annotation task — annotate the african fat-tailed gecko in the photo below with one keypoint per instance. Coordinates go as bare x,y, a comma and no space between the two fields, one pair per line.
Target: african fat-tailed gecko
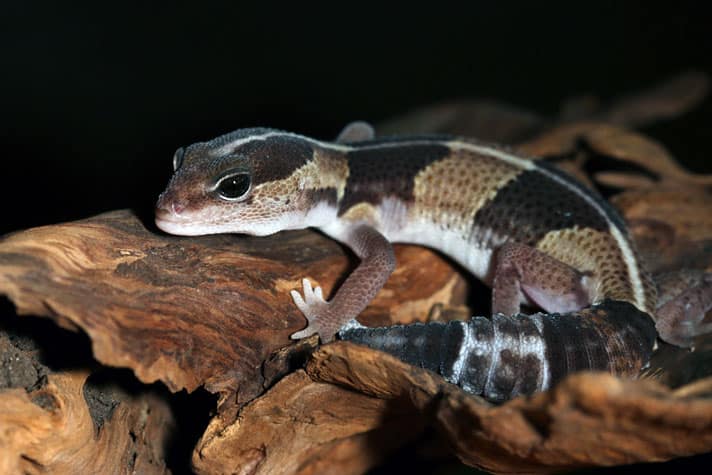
528,230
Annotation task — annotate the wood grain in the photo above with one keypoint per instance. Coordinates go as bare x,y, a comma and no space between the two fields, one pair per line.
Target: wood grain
194,311
50,430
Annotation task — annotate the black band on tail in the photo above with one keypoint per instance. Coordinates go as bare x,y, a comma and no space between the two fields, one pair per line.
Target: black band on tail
503,357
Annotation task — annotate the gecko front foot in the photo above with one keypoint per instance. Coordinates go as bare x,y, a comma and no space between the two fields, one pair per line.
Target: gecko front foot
359,288
316,311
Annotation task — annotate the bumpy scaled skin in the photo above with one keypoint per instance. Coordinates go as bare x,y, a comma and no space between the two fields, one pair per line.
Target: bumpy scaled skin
521,226
500,358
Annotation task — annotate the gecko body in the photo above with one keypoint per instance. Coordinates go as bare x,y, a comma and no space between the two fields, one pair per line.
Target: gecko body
529,231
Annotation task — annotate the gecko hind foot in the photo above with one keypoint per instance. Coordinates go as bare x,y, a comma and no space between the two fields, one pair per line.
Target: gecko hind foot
316,311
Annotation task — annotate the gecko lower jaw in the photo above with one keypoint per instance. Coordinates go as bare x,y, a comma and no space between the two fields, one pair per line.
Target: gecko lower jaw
182,225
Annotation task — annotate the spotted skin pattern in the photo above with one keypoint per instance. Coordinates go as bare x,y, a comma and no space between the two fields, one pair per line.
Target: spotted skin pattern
531,231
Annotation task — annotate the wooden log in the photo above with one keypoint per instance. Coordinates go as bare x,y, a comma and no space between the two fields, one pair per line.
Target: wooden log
590,419
195,311
51,430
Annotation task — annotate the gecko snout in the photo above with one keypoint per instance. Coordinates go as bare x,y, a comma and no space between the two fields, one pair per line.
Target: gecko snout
167,207
168,216
168,210
168,201
177,208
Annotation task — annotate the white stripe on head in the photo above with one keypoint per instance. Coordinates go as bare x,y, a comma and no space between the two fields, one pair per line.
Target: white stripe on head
229,147
453,144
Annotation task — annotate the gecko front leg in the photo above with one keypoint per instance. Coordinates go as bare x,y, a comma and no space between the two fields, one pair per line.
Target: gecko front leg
360,287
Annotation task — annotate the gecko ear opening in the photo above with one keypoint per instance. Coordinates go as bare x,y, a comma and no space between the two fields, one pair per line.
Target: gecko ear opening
234,187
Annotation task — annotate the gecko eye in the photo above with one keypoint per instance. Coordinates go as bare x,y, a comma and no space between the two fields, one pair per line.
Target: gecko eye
178,158
233,187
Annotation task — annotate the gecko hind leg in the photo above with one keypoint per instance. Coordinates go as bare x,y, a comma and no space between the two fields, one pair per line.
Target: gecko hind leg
685,298
523,272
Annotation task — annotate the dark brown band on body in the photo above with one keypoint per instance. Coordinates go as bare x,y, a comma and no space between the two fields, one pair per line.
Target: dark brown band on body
533,204
611,213
378,173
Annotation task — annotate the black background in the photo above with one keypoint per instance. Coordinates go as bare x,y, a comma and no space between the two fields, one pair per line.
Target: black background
96,96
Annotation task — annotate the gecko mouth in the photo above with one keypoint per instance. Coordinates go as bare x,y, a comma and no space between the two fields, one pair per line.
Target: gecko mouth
172,222
184,227
187,224
168,223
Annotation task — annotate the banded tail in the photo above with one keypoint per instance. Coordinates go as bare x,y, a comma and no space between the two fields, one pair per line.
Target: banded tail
503,357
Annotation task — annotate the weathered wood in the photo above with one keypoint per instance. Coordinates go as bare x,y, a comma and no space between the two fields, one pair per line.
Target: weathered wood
50,430
617,143
672,225
194,311
589,419
495,121
302,426
73,420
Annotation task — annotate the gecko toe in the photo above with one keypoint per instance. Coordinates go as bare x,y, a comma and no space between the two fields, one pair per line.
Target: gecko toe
299,301
325,335
302,334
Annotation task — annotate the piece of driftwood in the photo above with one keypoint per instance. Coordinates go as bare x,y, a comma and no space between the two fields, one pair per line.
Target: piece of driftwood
589,419
308,427
672,226
73,420
50,430
596,138
667,100
59,422
215,312
194,311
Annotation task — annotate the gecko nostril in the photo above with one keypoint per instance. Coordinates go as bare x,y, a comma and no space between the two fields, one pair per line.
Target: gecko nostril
167,207
177,208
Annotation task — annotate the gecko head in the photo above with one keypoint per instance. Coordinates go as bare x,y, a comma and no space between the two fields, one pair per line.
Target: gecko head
251,181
